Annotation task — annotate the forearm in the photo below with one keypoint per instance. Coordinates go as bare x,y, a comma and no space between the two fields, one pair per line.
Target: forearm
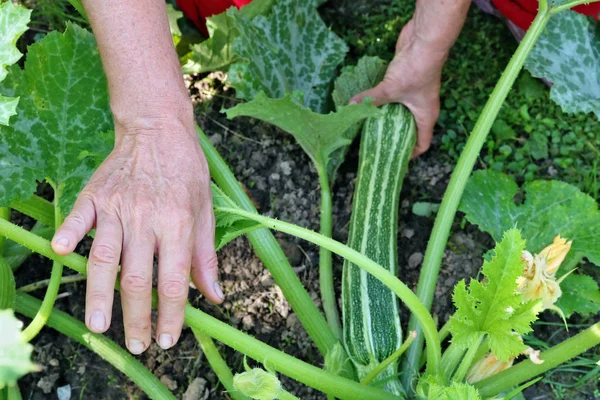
144,76
439,22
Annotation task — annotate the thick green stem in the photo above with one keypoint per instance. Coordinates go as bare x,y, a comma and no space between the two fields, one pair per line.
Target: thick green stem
386,277
451,359
53,286
4,214
467,361
283,395
268,250
553,357
325,258
299,370
100,344
218,365
388,361
462,171
15,254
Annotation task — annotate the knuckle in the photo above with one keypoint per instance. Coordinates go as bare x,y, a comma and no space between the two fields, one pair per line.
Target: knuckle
135,283
174,289
104,254
98,297
75,218
138,325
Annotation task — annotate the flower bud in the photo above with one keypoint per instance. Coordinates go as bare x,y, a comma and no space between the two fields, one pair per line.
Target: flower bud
486,367
555,253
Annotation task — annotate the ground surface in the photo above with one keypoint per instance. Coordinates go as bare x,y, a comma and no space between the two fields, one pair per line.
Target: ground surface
280,180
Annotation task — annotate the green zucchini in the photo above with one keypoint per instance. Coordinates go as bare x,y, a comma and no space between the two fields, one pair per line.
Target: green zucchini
371,315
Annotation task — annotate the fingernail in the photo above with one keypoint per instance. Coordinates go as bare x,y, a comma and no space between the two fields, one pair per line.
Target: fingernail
62,241
135,346
97,321
165,341
218,290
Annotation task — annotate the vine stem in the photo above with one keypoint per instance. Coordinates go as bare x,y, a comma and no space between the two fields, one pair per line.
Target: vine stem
462,171
100,344
40,284
4,214
218,365
325,257
569,5
553,357
388,361
53,286
269,251
301,371
467,361
386,277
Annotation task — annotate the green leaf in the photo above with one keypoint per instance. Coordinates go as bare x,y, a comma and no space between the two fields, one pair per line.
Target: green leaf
60,131
216,53
318,134
580,294
13,23
366,74
550,208
290,50
174,16
15,355
456,391
492,307
228,226
568,55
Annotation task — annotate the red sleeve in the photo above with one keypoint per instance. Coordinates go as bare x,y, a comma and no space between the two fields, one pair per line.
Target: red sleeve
199,10
522,12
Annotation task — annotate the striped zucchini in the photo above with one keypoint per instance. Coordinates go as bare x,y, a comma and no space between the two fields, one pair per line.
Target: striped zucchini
371,316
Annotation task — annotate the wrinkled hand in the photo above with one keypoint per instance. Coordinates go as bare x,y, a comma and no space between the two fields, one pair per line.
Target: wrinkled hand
413,79
151,195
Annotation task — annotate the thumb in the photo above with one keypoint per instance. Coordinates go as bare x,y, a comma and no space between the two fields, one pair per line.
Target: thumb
205,264
380,95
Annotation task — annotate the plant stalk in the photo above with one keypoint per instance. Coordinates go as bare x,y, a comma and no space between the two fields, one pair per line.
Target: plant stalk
325,257
386,277
217,364
4,214
53,286
100,344
467,361
388,361
553,357
462,171
41,284
299,370
269,251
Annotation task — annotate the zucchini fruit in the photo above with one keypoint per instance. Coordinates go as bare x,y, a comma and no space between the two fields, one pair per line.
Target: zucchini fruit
371,315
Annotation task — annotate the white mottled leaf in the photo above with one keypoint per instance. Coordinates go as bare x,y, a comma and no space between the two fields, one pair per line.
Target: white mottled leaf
15,355
13,23
568,55
290,50
56,133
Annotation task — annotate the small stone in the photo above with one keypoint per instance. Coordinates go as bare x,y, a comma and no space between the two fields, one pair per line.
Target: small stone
216,139
408,233
415,260
248,322
275,176
54,362
81,369
47,383
169,382
292,322
197,390
286,168
267,281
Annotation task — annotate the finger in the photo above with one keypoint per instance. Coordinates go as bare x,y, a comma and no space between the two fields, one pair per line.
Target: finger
136,289
205,265
174,263
380,95
77,224
102,268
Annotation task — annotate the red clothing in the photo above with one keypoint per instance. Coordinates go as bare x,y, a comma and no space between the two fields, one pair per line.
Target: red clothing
522,12
199,10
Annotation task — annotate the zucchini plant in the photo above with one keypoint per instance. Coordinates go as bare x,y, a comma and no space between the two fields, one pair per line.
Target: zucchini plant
56,129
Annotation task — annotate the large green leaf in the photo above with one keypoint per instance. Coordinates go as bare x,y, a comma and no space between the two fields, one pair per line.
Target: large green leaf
15,355
493,307
63,107
550,208
13,23
289,50
318,134
568,54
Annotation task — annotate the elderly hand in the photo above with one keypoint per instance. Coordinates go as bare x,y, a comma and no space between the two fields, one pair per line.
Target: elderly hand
151,195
